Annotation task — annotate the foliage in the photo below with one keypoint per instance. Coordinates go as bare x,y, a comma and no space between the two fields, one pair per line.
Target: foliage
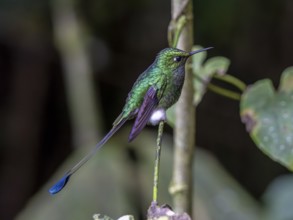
204,71
268,115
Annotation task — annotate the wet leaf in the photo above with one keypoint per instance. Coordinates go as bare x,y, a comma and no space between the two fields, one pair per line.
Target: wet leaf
268,116
203,71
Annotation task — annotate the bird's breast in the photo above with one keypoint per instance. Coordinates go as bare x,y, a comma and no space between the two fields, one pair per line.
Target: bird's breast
173,89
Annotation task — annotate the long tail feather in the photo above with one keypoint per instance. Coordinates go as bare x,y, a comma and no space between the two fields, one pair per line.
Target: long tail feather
57,187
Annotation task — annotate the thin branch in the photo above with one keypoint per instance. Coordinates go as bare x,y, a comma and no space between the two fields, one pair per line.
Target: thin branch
224,92
231,80
219,90
157,162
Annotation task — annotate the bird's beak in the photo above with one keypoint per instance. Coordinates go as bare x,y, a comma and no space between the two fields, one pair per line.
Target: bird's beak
198,51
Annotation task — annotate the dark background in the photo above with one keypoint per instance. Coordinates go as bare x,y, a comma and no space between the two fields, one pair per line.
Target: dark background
36,131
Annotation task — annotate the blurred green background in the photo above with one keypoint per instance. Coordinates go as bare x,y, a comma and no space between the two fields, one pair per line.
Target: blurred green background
65,70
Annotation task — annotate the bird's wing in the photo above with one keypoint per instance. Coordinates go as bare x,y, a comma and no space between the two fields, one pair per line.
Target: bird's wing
149,103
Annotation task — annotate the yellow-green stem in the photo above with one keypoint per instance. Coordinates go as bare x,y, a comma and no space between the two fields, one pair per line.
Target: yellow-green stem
180,24
224,92
157,161
232,80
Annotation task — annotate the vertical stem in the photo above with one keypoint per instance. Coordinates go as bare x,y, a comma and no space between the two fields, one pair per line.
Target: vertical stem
184,130
157,162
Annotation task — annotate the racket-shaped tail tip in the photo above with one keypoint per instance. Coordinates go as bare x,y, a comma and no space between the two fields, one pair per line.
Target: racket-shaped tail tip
59,185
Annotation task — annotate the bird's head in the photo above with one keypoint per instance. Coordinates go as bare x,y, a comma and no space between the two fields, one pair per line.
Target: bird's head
173,58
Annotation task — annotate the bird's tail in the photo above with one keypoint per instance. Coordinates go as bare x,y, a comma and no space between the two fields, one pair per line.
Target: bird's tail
57,187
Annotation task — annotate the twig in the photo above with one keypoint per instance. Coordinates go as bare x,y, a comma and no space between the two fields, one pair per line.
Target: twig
231,80
157,162
224,92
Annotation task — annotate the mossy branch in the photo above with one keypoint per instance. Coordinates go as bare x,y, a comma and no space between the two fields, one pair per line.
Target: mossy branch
184,131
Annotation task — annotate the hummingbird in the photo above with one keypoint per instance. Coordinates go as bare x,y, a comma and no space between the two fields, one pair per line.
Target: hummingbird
155,90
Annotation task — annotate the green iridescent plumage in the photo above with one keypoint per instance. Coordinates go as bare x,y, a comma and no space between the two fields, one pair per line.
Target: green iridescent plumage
165,75
156,89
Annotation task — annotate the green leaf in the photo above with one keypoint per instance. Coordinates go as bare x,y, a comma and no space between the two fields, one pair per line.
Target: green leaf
287,80
203,72
197,60
268,115
216,65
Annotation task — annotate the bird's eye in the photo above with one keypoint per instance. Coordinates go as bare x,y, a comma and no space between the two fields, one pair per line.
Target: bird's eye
177,59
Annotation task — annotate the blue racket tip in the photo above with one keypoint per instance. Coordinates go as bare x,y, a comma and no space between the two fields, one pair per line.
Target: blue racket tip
59,185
